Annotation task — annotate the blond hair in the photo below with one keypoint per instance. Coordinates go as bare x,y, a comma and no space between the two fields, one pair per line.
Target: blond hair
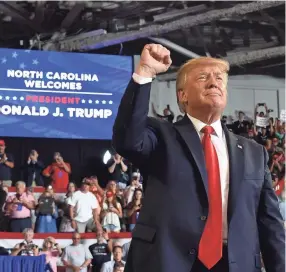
185,69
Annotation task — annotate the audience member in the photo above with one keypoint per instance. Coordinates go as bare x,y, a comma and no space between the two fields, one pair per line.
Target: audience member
34,168
117,258
96,189
46,213
101,251
241,125
76,257
66,223
52,250
133,208
118,267
111,213
27,247
118,170
6,165
135,184
19,206
168,114
84,210
4,219
58,172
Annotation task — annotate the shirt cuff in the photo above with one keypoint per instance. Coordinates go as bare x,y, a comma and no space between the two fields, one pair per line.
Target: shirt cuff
141,80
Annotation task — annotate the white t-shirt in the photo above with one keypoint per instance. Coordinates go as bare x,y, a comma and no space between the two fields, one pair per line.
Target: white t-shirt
84,203
76,255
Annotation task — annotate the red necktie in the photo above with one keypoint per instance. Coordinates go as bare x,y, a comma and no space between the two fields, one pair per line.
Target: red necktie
210,247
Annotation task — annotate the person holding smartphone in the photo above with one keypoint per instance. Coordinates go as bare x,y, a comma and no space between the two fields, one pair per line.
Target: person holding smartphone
58,172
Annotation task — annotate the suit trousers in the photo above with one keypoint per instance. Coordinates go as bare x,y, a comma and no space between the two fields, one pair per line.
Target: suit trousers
221,266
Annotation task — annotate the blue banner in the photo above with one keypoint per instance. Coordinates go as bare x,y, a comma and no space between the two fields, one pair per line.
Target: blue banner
60,95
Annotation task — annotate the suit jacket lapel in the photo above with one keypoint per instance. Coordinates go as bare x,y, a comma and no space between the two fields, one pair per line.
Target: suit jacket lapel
192,140
236,169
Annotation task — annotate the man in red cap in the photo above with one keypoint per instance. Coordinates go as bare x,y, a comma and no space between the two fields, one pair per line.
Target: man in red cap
6,164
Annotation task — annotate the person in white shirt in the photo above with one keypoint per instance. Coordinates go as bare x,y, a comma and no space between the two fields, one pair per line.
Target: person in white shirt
76,257
84,210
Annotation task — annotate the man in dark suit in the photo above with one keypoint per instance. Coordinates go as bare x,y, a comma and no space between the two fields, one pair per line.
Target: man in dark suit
209,203
34,168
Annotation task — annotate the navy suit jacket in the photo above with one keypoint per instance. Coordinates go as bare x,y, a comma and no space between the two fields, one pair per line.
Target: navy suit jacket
36,168
175,206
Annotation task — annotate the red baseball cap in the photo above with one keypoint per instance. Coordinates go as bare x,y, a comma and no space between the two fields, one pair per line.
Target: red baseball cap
2,142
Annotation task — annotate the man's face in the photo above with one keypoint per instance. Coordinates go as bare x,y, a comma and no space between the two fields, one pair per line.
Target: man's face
85,187
2,149
205,88
117,254
76,239
275,141
112,186
166,112
20,188
241,116
28,236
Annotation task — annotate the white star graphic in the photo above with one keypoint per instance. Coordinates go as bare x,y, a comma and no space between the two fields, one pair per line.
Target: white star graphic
103,102
110,102
22,66
83,101
7,97
35,62
96,101
89,101
14,98
21,98
28,51
3,60
0,97
14,55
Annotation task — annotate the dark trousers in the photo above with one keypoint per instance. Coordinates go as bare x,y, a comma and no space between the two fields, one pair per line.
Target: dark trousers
19,224
221,266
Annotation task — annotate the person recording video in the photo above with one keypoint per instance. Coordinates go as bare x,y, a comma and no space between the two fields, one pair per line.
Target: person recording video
58,172
27,247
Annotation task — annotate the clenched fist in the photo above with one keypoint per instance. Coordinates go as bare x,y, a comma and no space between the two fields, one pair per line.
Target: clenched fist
155,59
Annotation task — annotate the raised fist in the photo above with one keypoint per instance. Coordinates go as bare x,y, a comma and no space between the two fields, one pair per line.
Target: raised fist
155,59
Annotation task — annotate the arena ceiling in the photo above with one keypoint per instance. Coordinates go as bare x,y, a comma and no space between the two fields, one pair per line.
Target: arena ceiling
251,35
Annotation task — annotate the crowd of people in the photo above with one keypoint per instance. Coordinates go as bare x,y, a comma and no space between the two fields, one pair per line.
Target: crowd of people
92,208
105,255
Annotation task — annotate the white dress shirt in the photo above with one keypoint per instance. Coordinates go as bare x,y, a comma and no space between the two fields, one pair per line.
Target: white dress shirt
219,142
